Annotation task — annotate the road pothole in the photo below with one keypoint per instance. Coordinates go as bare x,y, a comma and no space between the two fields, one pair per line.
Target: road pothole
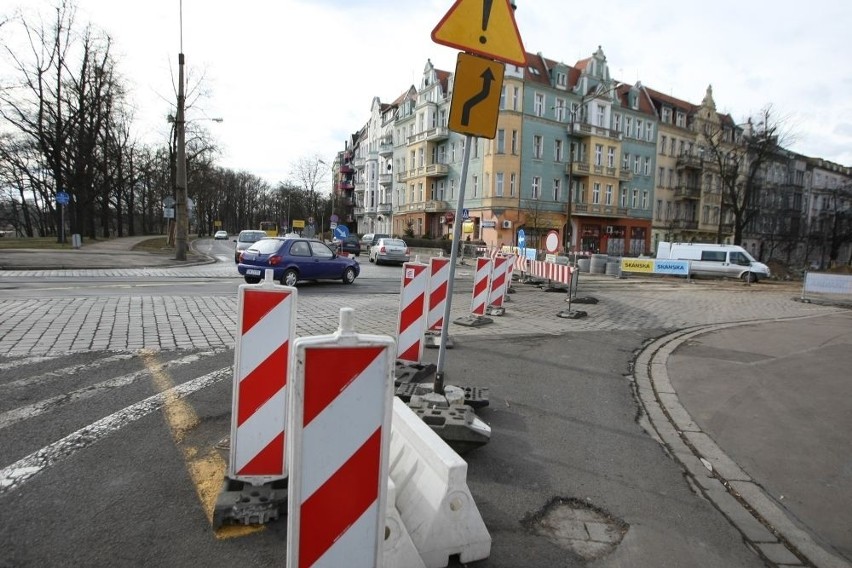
578,526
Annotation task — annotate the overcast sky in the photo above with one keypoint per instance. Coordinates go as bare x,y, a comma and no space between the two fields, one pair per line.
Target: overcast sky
293,78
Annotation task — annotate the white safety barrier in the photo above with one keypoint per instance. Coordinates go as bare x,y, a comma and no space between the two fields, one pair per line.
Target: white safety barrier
412,312
266,322
551,271
399,549
439,276
339,429
481,286
432,494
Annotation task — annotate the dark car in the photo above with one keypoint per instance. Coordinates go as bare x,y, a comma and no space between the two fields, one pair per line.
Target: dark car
350,244
294,259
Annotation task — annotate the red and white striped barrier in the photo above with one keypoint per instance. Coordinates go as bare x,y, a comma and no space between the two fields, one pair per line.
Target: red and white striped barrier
339,432
510,272
439,276
412,312
481,286
266,322
432,495
499,272
551,271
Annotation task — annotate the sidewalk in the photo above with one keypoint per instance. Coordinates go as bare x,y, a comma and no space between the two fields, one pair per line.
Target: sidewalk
112,253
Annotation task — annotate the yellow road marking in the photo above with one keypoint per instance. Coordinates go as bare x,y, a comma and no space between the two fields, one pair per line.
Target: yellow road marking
207,469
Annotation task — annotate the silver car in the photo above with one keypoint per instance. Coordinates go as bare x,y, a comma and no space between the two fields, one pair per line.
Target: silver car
245,239
390,250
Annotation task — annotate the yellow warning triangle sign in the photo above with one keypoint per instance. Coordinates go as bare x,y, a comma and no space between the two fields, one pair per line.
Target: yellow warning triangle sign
484,27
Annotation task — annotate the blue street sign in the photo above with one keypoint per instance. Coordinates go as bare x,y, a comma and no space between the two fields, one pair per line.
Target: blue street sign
341,231
522,239
63,198
465,214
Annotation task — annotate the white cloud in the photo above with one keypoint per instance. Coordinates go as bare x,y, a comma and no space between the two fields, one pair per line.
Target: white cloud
293,78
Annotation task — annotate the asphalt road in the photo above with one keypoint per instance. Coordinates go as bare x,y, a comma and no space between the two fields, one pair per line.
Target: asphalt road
100,468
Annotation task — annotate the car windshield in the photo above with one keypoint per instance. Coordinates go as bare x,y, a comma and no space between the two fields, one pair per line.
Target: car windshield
393,243
266,246
251,237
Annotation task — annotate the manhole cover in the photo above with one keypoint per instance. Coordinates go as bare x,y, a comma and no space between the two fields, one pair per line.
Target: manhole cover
578,526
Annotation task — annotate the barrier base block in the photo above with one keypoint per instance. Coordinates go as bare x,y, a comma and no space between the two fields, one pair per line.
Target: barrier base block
407,372
551,288
473,321
457,425
432,340
495,311
572,314
585,300
474,397
246,504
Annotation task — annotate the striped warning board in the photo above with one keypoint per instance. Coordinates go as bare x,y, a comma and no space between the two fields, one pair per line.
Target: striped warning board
551,271
481,286
339,434
266,323
499,271
439,276
412,312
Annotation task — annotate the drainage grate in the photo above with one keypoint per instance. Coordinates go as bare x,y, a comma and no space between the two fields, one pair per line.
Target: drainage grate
578,526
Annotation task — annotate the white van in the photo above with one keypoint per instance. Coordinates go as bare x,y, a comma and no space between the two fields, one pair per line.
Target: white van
705,259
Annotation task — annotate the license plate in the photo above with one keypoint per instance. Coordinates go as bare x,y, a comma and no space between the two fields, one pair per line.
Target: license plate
253,272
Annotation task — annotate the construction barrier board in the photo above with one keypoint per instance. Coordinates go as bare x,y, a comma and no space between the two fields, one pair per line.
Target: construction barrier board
339,429
412,312
266,326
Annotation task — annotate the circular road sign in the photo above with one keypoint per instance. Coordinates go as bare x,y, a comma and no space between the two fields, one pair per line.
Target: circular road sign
62,198
551,242
522,239
341,231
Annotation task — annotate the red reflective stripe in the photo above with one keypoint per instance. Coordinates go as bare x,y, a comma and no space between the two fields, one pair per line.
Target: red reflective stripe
411,313
262,383
340,501
269,461
257,304
331,372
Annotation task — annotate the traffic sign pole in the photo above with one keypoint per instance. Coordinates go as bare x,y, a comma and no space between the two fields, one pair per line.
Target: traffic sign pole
457,228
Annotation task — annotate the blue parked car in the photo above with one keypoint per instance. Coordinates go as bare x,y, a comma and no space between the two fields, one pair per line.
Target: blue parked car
294,259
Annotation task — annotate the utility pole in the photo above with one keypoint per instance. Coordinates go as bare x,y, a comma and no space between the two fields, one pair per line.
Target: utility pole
568,232
181,210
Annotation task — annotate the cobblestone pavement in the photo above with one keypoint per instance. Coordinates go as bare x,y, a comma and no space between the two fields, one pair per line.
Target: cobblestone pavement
63,324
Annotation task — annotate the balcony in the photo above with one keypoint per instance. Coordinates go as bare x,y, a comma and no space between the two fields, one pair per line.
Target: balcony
359,162
346,169
687,192
402,176
437,170
584,129
385,208
690,161
345,185
601,210
436,205
431,135
385,147
577,168
624,174
385,179
359,211
687,225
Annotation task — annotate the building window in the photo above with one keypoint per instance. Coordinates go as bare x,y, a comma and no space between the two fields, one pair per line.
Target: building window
667,115
538,107
610,157
514,142
625,161
561,79
663,144
636,165
681,119
616,122
659,214
608,194
634,202
628,126
537,147
644,199
623,197
596,193
598,154
536,187
452,188
557,150
661,176
561,110
640,129
646,165
501,141
503,98
600,115
557,189
512,184
649,132
498,184
475,186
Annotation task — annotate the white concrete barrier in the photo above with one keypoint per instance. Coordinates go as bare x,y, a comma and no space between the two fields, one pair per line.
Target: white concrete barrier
398,548
432,496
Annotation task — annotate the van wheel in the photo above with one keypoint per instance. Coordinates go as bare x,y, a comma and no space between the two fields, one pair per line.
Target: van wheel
750,277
